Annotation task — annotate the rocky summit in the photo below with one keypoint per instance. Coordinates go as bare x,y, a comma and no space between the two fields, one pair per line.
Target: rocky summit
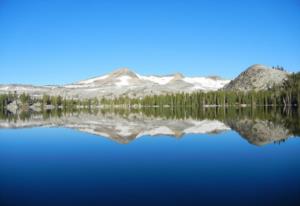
257,77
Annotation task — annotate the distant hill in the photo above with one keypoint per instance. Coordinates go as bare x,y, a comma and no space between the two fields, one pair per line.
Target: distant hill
257,77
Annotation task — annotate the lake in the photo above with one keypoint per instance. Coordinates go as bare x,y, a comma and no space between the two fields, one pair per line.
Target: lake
151,157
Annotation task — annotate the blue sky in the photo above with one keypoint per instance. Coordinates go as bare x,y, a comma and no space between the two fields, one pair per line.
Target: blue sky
45,42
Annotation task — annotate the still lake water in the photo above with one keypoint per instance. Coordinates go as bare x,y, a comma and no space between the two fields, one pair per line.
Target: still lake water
83,159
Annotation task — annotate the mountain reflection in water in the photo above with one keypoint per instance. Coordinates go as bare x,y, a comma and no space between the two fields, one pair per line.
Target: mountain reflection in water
259,126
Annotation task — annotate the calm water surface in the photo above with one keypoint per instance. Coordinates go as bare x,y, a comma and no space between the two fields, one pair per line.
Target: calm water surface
62,166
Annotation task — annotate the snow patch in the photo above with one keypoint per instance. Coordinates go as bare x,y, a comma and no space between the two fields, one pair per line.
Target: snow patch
92,80
163,130
124,130
206,126
123,81
156,79
4,88
203,83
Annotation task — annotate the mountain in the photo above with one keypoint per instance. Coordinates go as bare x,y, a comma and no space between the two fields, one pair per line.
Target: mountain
257,77
123,82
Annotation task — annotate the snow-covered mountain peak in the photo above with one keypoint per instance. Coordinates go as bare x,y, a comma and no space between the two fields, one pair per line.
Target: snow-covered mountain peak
178,76
123,72
126,82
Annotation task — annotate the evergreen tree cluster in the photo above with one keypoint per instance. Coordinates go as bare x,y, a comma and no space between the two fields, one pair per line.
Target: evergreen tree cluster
280,68
65,103
6,99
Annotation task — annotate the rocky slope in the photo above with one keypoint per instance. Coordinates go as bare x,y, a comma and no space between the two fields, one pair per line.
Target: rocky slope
257,77
123,82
